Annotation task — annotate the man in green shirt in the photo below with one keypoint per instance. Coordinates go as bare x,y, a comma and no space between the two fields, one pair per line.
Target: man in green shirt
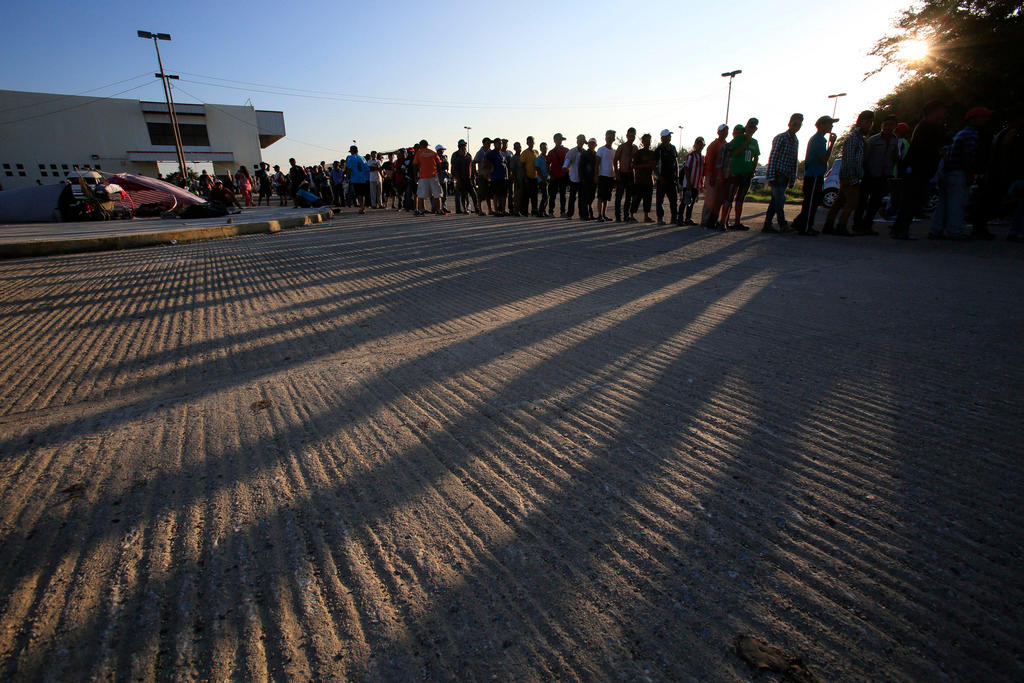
745,153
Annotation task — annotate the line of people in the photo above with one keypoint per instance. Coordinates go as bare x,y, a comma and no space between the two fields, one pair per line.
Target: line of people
626,179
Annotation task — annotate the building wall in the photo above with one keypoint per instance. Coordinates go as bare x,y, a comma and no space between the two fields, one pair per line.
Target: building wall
57,132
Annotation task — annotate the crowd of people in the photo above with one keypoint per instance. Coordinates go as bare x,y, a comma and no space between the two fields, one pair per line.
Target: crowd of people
894,169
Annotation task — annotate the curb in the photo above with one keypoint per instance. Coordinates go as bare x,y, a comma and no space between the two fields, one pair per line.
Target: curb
149,239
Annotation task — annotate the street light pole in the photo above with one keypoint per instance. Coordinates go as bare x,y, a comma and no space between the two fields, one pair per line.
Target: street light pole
680,141
468,128
164,77
730,75
835,101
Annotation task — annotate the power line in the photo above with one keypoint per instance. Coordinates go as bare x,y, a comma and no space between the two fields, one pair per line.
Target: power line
369,99
78,94
73,106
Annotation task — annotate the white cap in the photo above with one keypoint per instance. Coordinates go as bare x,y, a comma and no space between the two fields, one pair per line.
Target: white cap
592,140
665,132
439,148
723,127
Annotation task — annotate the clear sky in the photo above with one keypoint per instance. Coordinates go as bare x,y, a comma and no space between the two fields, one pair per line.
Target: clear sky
390,73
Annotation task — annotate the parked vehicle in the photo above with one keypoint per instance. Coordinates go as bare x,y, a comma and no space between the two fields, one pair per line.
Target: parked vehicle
830,186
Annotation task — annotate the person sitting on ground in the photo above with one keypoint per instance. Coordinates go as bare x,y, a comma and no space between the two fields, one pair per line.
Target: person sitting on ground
222,195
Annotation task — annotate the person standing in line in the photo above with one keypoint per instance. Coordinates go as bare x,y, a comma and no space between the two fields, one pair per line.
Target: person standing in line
623,162
494,163
543,179
528,163
517,178
510,184
337,177
281,185
443,169
644,163
462,175
401,178
572,164
745,153
815,164
851,176
483,178
880,152
715,179
782,164
296,176
358,177
376,181
892,208
426,161
263,183
955,176
588,180
605,175
666,171
691,178
387,187
559,176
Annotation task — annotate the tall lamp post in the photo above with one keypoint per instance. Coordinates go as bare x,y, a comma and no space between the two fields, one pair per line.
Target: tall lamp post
835,101
730,75
680,140
164,77
468,128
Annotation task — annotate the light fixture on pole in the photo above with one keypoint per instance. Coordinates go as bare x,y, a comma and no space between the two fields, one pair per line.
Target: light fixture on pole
468,128
835,101
680,140
730,75
164,77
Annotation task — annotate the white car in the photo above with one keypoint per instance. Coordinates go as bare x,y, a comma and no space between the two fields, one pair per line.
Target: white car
830,188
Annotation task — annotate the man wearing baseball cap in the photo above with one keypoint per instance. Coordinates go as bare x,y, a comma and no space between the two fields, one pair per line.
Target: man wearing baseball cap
958,170
851,177
716,178
666,171
880,152
815,165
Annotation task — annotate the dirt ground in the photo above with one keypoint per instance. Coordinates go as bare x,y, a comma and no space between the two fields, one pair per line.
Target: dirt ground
473,448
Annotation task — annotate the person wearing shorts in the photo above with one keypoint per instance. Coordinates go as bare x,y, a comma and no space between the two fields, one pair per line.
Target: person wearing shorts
358,178
745,152
428,186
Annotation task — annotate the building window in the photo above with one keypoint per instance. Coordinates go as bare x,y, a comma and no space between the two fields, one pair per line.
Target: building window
42,173
9,173
21,167
98,167
192,134
42,166
21,174
53,166
64,167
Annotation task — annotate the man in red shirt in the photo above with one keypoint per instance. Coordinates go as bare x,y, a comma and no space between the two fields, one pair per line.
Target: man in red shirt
716,179
559,176
426,161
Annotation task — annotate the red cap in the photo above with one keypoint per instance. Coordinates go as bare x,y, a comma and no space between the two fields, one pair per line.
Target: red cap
976,112
901,128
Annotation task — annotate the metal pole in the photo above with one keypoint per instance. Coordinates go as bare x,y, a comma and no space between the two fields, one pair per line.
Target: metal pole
835,101
170,110
728,102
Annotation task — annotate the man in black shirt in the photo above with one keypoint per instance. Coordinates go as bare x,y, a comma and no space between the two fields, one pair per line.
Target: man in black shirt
296,176
588,179
667,170
920,164
462,174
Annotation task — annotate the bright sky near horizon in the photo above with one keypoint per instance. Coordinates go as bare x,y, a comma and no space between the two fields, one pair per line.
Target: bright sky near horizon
389,74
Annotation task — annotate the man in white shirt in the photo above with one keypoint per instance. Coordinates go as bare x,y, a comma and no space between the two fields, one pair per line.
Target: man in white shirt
572,163
605,175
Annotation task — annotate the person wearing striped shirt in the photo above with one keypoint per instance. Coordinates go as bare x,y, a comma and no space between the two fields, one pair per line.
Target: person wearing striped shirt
782,173
851,175
691,178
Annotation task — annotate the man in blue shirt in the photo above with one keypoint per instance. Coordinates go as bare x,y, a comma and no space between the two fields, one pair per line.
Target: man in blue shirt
359,177
815,163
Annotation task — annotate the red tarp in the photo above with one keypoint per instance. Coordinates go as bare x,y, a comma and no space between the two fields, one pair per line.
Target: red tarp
145,190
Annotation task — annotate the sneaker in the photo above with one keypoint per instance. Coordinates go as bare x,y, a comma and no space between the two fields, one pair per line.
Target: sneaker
688,222
738,226
648,219
661,222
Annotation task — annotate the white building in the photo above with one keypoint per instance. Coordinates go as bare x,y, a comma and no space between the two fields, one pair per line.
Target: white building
44,136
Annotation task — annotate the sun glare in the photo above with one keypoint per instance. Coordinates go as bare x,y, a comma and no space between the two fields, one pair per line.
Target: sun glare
913,50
